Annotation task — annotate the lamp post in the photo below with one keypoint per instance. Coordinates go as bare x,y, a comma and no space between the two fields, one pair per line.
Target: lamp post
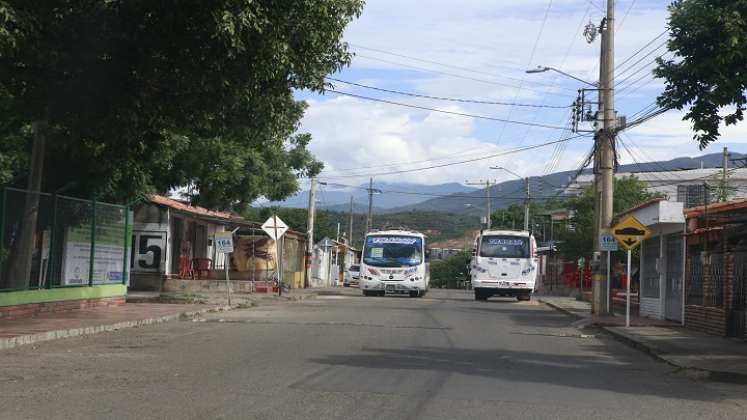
543,69
526,193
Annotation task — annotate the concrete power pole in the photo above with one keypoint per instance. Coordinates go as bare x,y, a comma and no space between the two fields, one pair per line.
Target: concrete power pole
724,177
526,204
310,232
488,183
350,226
604,161
369,219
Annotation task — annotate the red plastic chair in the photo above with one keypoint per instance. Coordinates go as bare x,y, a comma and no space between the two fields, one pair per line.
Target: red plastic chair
202,265
185,268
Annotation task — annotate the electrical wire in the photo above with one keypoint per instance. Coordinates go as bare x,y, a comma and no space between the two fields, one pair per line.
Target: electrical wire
441,98
482,117
627,12
622,63
437,63
455,75
529,63
508,152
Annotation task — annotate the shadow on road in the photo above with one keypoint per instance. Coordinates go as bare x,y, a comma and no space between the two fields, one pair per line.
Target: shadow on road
591,370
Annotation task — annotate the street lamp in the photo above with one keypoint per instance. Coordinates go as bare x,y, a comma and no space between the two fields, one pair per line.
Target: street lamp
543,69
526,193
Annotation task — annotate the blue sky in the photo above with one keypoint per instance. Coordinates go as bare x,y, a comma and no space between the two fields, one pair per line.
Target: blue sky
480,49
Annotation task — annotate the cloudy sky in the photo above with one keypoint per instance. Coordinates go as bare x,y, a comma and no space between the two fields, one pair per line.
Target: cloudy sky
479,50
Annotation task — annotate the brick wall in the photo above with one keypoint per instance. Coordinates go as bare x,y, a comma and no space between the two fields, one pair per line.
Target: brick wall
709,320
33,309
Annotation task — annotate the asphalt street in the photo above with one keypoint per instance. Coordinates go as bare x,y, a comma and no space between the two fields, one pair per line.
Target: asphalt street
444,356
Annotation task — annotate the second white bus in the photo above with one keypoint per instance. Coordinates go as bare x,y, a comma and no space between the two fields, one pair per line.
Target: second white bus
504,264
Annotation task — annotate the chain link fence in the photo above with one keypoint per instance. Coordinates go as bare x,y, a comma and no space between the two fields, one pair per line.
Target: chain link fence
49,241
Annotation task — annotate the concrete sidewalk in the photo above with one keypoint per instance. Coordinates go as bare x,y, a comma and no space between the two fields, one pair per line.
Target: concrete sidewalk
142,308
701,355
52,326
241,300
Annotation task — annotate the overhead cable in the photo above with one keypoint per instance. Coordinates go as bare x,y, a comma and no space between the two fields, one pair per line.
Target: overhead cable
441,98
492,156
443,111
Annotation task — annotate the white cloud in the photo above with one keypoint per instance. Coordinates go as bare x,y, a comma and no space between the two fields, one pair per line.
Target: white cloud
494,39
349,133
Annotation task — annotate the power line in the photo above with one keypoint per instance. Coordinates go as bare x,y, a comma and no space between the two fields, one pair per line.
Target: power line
508,152
529,63
458,76
459,196
441,98
437,63
591,2
462,114
630,67
622,63
627,12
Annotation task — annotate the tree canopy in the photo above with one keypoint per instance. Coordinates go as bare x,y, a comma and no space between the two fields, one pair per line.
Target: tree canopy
708,73
579,241
136,97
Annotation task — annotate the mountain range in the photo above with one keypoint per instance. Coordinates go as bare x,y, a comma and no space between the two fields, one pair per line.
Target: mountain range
460,199
335,198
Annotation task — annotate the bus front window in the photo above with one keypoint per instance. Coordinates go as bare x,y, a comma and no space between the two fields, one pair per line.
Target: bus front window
393,251
504,247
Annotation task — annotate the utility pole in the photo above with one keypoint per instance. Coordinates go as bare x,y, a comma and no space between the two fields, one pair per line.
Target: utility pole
488,184
371,192
724,178
526,193
350,227
604,159
310,232
526,204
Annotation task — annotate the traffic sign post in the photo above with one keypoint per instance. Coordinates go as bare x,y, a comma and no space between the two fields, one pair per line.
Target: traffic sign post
608,243
275,229
630,233
224,245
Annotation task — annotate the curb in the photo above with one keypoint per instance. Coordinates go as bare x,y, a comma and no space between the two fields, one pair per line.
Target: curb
694,372
562,310
11,342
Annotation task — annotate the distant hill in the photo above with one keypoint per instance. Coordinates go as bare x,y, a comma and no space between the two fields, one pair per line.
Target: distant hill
509,192
332,197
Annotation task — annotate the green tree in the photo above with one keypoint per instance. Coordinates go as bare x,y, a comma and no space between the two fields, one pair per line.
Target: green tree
136,97
447,272
578,241
707,73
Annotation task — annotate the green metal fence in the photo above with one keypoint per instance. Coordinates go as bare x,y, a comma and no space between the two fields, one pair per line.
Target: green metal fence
51,240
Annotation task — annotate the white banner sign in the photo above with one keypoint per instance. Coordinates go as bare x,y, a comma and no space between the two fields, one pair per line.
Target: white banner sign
224,242
107,261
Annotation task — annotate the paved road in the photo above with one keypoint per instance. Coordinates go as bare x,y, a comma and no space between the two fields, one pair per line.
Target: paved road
348,357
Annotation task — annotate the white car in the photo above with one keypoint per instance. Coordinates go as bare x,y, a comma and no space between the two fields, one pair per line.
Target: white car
352,276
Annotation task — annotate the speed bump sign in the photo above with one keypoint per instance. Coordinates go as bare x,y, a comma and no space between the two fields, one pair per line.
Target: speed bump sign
630,232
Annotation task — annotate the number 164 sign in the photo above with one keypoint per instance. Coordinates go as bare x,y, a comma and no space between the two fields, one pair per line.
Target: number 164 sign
224,242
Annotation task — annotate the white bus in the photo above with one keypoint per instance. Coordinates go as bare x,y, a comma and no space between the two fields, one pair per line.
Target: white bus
504,264
394,261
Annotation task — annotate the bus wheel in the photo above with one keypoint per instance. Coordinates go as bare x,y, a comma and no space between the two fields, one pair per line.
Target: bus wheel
479,295
523,297
414,294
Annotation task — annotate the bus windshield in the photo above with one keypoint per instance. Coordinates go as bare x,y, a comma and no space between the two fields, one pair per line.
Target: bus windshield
504,247
393,251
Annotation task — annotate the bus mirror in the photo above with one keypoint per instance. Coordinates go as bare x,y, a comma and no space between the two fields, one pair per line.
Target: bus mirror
427,254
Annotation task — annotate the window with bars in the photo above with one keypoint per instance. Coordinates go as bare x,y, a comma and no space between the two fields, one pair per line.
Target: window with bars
691,195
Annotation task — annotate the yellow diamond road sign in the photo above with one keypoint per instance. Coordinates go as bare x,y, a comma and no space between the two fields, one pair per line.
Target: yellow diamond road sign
630,232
